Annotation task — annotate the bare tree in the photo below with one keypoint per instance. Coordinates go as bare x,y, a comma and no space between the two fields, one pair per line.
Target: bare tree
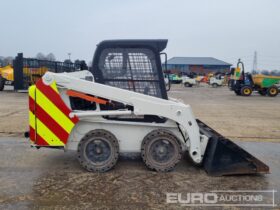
67,61
1,61
254,72
83,65
265,72
275,72
40,56
7,60
77,62
50,57
89,64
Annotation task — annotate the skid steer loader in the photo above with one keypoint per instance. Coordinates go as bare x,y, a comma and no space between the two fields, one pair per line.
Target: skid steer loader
122,107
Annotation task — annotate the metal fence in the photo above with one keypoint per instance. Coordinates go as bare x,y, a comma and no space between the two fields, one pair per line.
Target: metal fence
28,70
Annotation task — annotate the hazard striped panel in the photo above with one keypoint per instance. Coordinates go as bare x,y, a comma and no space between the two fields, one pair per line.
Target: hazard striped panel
49,121
32,123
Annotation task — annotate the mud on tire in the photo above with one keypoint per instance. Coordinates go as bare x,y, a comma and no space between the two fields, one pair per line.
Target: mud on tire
161,150
246,91
272,91
186,84
98,151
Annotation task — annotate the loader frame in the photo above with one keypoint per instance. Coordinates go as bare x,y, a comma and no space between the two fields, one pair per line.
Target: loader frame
178,113
130,111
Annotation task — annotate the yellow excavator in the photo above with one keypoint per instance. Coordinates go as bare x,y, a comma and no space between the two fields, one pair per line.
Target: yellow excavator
6,76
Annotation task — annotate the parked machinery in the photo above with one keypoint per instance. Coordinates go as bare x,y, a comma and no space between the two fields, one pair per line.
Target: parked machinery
245,83
6,76
175,78
27,71
123,108
189,82
217,81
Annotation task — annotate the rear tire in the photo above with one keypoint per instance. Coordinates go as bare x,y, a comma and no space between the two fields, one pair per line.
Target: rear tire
98,151
214,85
272,91
246,91
186,84
2,83
161,150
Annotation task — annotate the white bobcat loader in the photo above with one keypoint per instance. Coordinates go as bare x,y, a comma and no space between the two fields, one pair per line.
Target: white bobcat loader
122,108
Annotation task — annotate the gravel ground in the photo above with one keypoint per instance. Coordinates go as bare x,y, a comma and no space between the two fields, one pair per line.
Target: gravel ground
52,179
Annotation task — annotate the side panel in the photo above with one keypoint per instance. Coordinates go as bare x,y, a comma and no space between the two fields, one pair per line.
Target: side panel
268,82
129,135
49,121
265,81
32,118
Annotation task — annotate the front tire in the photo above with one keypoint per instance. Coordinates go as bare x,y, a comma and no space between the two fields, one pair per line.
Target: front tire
272,91
98,151
246,91
186,84
161,150
215,85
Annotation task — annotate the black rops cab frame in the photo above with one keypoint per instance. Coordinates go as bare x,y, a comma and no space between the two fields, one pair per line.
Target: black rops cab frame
132,65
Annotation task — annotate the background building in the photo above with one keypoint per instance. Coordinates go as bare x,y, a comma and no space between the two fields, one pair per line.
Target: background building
199,65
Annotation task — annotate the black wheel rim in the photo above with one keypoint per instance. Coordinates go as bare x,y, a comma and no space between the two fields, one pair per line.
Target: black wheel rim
98,151
162,151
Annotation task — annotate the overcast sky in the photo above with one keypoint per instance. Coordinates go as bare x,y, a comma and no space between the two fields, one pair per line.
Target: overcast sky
224,29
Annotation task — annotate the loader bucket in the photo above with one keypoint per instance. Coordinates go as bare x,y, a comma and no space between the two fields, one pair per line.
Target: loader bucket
223,157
